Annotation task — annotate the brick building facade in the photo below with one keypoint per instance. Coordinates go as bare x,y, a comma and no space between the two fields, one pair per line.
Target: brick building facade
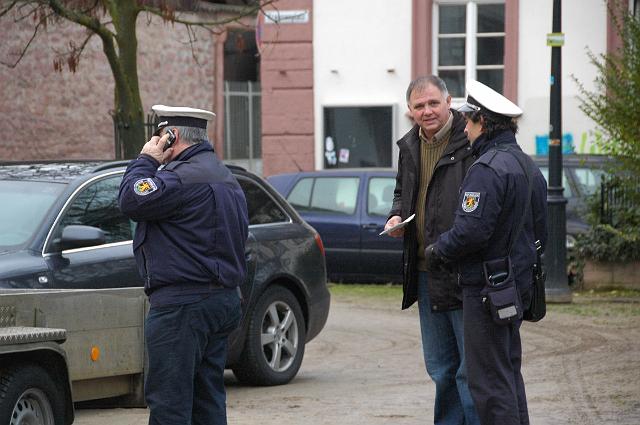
52,115
287,93
62,115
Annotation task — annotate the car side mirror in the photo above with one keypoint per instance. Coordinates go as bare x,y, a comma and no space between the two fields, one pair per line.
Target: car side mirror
77,236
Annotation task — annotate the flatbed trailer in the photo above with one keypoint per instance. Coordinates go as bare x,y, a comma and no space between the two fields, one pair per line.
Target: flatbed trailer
58,347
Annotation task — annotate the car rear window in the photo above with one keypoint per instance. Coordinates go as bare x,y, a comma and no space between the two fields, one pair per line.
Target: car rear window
380,195
24,206
261,207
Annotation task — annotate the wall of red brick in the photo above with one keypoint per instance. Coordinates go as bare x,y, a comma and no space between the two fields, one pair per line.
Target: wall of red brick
287,93
51,115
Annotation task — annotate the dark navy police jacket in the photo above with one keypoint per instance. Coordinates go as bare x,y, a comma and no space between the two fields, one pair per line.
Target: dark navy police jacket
491,204
191,228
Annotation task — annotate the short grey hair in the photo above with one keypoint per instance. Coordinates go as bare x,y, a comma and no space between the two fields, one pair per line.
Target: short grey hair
422,82
192,135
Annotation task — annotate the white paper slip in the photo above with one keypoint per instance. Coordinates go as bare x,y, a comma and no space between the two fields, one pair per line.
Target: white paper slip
398,226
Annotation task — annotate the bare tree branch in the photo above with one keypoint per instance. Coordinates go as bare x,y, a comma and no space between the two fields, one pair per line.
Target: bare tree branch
81,19
55,8
8,8
114,22
72,56
192,40
29,14
248,11
25,48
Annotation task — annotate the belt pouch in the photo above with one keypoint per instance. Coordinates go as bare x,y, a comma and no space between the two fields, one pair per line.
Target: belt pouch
500,294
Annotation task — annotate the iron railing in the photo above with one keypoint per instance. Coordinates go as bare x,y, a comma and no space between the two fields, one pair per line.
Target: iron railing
118,126
618,195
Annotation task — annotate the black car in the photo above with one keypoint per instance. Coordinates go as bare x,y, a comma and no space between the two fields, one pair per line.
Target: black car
60,227
581,176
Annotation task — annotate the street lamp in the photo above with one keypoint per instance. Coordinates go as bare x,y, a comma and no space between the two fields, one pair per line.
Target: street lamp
557,289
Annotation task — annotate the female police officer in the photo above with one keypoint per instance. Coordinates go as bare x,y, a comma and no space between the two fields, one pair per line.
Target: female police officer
496,224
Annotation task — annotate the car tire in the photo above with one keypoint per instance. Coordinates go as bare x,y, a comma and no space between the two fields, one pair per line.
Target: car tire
275,341
28,395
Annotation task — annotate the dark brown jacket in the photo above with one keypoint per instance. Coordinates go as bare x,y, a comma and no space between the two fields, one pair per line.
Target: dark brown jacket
442,200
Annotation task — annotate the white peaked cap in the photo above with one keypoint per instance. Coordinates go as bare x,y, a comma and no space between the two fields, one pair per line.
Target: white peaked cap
481,97
182,116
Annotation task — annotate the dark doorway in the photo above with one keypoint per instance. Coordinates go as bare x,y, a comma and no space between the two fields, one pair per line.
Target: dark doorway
358,136
241,59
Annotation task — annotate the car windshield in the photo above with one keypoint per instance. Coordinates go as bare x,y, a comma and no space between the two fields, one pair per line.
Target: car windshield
24,206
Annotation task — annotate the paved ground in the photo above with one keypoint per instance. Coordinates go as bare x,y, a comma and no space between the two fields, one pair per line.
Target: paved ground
581,366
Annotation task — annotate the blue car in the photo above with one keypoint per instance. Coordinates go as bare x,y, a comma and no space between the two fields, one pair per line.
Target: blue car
348,208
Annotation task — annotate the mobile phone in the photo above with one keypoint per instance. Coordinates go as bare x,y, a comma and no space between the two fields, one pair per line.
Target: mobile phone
171,140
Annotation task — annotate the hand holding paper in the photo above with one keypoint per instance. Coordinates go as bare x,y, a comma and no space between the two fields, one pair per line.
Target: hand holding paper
397,226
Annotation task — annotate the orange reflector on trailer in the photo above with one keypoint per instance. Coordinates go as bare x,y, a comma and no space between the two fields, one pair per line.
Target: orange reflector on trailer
95,353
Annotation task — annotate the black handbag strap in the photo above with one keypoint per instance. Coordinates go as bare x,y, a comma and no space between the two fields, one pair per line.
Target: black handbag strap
527,174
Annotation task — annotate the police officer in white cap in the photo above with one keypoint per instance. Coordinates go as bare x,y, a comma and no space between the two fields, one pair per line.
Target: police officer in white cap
502,213
189,245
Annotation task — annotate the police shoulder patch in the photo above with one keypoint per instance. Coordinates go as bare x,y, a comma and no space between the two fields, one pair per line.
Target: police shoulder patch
144,187
470,201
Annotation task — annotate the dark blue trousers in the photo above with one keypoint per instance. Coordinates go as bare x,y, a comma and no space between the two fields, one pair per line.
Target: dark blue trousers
187,350
494,357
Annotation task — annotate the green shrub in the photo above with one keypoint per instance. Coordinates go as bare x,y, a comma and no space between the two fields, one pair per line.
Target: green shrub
614,106
616,241
615,102
606,243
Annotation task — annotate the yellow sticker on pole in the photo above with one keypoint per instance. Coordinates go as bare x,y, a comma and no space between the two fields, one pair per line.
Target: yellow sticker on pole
555,39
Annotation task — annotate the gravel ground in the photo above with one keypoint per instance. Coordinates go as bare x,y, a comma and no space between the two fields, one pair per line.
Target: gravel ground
581,366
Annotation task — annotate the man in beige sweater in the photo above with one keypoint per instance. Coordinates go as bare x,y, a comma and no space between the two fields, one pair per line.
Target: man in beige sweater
434,157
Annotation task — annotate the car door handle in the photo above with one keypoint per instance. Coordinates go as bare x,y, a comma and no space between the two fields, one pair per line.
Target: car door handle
370,226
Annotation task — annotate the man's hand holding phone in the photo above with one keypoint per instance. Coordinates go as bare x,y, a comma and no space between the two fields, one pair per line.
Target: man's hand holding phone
157,149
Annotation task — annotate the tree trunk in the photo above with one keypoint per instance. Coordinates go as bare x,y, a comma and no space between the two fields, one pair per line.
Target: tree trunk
130,134
129,116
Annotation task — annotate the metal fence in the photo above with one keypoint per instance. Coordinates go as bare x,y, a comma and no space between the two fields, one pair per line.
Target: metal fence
242,132
149,128
242,142
618,194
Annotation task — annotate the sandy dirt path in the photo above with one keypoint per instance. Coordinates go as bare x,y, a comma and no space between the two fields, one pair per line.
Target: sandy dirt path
366,368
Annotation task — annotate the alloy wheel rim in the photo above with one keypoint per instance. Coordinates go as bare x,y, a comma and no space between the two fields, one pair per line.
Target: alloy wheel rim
279,336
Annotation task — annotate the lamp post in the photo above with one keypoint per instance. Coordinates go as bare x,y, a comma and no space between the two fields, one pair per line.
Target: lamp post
556,253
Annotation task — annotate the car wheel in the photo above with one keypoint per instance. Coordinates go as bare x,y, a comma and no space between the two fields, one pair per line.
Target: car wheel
275,342
28,396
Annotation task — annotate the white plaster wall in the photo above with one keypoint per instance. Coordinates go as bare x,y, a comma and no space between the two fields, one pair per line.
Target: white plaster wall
584,23
361,57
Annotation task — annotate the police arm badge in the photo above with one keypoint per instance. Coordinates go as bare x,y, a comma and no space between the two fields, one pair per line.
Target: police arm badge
470,201
144,187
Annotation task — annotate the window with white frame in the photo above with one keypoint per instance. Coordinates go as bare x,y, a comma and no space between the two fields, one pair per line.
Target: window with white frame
469,43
